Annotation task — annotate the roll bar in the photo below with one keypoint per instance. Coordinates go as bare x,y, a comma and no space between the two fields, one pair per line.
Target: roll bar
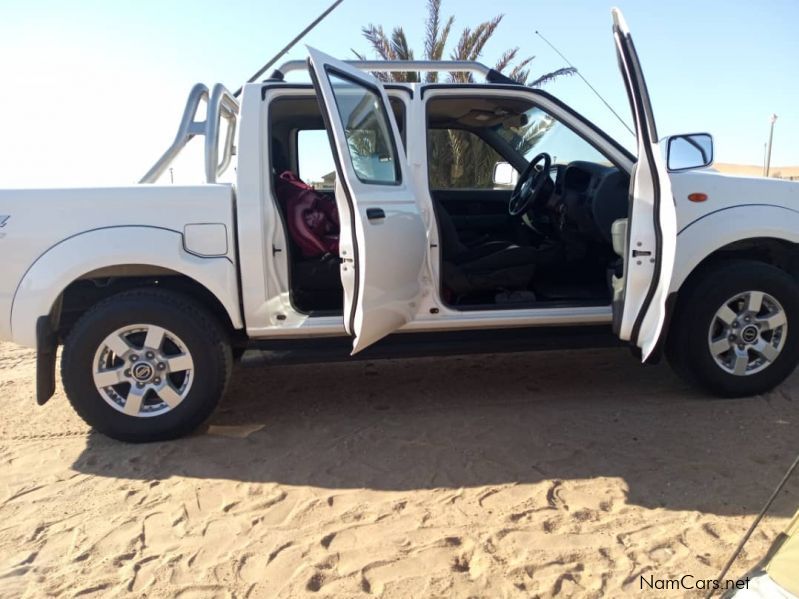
221,105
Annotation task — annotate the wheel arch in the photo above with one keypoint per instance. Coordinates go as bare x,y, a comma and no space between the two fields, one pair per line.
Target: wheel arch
777,252
754,232
89,289
135,256
761,232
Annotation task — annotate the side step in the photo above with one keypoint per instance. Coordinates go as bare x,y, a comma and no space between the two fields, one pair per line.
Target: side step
417,345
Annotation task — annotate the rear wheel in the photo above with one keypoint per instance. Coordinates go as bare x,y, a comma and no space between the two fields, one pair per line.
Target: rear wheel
736,330
146,366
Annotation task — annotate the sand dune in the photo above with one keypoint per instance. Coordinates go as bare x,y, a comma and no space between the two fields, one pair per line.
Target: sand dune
559,474
755,170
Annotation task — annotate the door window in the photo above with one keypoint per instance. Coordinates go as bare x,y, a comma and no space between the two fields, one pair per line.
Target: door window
367,130
315,163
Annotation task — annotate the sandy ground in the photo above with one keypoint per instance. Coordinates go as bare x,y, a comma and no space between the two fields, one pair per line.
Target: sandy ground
566,474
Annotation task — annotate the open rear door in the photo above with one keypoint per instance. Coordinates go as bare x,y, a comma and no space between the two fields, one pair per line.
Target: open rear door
383,237
640,297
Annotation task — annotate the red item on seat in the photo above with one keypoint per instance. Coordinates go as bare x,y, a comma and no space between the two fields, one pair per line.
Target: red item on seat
311,217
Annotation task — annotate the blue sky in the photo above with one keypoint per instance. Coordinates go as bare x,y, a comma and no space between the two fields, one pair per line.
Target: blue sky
92,90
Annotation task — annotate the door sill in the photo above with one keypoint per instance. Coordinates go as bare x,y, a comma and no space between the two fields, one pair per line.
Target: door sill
536,305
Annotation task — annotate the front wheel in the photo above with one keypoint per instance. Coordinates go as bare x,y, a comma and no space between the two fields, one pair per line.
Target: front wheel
146,365
736,330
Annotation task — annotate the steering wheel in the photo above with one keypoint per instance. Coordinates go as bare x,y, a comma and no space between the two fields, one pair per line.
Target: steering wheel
530,184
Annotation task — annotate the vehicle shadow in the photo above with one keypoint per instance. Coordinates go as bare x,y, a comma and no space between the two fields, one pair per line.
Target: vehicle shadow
479,420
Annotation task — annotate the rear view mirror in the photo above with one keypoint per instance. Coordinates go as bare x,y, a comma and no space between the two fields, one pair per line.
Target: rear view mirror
505,175
694,150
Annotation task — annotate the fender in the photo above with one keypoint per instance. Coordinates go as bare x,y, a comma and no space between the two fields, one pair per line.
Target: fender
711,232
76,256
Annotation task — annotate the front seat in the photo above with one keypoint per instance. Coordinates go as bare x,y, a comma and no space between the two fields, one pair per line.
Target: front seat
491,266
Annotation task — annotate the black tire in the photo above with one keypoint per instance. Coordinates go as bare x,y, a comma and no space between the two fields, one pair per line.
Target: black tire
203,336
687,348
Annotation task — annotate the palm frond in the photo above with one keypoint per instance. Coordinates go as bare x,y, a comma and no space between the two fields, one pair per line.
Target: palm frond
548,77
461,49
402,51
432,28
505,60
471,44
399,45
483,33
435,35
442,39
520,72
375,35
438,50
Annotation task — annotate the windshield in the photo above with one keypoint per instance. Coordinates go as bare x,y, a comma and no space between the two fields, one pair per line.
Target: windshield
537,131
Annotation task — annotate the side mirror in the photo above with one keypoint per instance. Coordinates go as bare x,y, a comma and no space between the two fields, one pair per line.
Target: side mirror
694,150
505,175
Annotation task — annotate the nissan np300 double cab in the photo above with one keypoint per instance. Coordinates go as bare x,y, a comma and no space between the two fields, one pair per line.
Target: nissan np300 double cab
469,209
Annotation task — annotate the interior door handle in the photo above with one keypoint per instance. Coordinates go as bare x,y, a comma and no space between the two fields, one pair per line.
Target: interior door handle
375,213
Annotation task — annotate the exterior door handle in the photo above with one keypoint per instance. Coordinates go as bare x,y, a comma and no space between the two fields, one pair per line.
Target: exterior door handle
375,213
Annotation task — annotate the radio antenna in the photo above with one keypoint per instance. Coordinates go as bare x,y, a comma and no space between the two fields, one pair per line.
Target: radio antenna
591,87
290,45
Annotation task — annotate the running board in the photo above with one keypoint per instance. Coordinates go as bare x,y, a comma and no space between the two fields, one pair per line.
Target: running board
418,345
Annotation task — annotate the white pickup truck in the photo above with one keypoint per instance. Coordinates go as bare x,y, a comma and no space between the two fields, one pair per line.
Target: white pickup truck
465,211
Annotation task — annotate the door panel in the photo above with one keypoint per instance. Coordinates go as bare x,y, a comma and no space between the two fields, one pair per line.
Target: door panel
640,304
383,239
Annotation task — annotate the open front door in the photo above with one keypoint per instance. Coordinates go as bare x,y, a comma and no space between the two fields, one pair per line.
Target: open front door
639,303
383,237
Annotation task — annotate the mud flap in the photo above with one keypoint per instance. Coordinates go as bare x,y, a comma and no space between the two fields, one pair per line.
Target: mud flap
657,354
46,348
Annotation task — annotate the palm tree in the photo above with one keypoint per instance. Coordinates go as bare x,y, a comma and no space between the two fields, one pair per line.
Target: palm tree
455,159
470,46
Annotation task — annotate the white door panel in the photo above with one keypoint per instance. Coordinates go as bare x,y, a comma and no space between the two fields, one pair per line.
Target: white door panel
383,237
652,228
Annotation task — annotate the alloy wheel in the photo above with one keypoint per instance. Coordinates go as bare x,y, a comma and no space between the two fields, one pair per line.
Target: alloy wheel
143,370
747,333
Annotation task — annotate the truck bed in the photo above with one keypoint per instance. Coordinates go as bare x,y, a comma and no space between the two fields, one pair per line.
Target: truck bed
39,220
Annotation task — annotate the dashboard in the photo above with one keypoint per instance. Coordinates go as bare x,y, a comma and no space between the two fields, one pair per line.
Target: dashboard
587,198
